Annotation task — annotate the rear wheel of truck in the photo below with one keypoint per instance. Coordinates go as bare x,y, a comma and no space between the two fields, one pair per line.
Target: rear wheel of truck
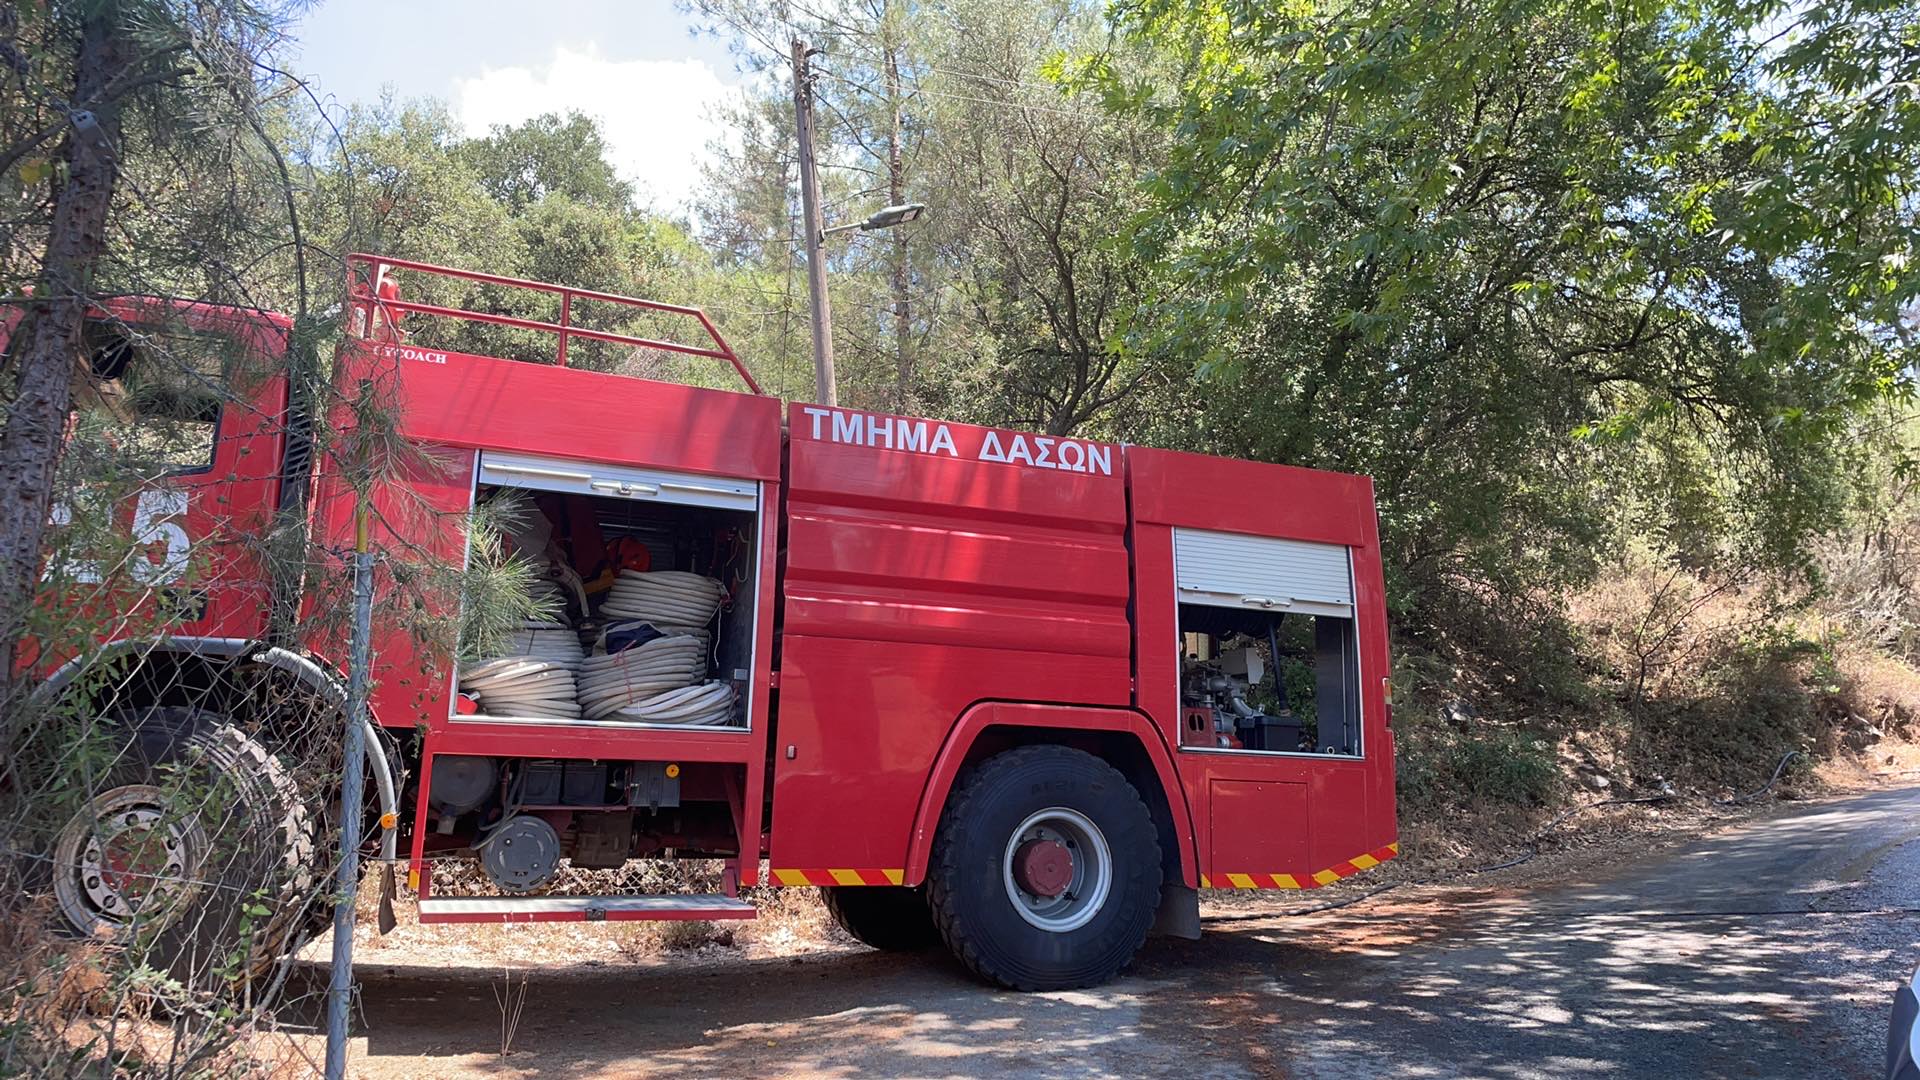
891,918
1046,870
196,849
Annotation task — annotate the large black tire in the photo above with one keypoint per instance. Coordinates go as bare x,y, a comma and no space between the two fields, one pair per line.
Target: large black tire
195,850
1046,943
891,918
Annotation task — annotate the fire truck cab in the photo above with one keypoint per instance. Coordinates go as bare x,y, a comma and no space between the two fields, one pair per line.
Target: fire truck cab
1024,694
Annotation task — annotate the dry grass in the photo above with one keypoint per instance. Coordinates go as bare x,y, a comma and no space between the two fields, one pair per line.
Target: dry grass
1653,678
1702,683
1884,688
67,1009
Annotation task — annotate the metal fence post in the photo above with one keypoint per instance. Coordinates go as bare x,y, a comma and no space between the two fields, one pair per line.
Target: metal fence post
352,781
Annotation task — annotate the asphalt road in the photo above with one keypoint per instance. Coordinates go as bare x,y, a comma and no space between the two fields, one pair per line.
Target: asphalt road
1767,951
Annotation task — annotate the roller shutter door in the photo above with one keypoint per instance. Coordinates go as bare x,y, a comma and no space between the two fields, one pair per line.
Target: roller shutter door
1231,570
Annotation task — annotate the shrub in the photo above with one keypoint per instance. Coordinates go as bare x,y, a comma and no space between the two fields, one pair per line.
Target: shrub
1505,767
1440,769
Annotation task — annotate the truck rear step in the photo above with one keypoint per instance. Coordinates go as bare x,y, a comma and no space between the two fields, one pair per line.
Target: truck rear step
515,909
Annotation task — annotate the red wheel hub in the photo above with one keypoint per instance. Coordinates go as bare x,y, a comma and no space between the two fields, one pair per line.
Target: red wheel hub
133,860
1043,867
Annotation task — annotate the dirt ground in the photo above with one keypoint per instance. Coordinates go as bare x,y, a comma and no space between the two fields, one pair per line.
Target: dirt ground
1267,992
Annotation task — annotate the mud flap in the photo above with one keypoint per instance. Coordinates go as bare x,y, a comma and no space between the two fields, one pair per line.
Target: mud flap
1179,914
387,921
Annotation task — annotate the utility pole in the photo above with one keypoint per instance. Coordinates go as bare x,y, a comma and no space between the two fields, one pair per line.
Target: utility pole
813,227
896,195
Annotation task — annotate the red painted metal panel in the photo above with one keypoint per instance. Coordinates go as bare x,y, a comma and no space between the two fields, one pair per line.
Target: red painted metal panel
458,399
930,566
1347,814
1351,802
422,515
1259,827
1253,497
221,513
865,721
230,505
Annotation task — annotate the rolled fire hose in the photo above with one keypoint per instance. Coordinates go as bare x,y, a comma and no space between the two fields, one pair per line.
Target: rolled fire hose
535,677
608,683
673,597
555,642
706,705
524,686
550,676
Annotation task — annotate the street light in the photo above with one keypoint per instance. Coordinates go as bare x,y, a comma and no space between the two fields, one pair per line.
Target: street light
814,234
884,218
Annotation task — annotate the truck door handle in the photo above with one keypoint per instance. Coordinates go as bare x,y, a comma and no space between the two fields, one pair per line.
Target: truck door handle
622,487
1266,601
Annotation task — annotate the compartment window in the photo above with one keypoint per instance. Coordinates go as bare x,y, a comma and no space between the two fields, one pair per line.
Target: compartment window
1269,651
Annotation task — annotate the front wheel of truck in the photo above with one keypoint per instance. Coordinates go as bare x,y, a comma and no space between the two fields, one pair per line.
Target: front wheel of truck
195,849
1046,870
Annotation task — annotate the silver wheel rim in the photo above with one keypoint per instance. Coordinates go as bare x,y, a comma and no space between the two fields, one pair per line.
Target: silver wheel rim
120,858
1087,888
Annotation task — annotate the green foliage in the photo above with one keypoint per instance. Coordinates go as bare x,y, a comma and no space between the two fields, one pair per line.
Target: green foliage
547,156
537,200
496,585
1551,272
1001,304
393,184
1440,769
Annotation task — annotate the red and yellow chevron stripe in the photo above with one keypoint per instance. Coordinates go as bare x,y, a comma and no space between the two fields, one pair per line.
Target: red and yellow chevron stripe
1287,881
1207,881
838,877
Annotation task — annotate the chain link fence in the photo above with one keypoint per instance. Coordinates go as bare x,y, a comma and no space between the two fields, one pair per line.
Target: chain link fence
170,798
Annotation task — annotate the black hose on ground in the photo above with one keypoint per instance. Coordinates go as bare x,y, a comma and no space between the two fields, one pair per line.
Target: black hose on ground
1742,800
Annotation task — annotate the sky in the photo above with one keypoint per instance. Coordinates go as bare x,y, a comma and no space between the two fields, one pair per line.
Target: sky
634,65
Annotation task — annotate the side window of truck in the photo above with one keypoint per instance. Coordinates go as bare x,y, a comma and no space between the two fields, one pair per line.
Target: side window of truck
153,395
1269,646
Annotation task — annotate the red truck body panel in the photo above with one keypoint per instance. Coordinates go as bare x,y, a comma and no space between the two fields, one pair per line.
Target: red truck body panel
458,406
927,572
922,583
222,511
453,405
459,399
1345,805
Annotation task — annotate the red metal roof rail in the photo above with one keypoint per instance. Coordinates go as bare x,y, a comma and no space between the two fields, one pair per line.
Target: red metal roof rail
564,330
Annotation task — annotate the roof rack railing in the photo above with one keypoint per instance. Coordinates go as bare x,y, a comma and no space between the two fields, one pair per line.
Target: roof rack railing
377,299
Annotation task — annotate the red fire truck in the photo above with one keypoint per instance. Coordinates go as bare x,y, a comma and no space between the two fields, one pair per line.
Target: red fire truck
1019,693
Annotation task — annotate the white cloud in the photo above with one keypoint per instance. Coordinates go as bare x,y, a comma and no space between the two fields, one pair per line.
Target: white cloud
655,113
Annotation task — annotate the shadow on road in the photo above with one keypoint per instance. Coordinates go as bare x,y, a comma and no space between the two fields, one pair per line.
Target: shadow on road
1706,964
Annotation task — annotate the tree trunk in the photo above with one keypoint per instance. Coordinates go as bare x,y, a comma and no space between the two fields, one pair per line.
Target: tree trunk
35,429
896,195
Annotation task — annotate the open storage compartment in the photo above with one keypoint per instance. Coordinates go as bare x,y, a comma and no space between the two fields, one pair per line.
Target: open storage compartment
652,573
